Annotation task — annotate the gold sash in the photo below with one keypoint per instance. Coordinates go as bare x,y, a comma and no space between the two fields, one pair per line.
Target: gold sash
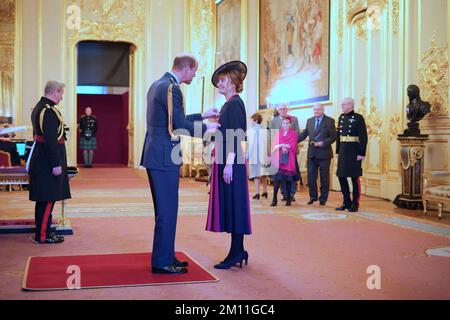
170,112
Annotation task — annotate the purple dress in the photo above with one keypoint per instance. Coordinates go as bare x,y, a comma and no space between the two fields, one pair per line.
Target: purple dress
229,204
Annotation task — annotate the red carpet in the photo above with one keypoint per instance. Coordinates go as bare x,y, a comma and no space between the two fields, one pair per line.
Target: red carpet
108,270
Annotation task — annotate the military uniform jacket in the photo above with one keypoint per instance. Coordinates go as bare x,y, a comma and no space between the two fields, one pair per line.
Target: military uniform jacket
164,97
88,122
47,154
350,126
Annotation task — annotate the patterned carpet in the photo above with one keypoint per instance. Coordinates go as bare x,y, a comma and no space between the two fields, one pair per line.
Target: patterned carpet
298,252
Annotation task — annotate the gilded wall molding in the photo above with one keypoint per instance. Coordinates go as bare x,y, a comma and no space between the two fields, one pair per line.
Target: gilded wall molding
7,55
373,119
99,21
341,25
394,126
433,78
354,7
7,12
395,16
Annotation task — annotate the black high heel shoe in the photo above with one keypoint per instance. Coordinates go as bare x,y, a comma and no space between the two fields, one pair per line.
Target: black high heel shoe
243,256
256,196
264,195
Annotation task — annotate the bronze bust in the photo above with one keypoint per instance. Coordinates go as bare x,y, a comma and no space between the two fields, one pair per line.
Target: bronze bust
415,111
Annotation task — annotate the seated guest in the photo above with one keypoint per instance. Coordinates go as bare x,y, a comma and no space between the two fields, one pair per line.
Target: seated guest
283,157
8,146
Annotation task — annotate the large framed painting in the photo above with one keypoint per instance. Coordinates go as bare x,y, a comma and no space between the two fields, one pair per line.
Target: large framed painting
294,47
228,32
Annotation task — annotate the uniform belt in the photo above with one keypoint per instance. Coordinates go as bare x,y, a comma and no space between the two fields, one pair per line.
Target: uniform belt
349,139
42,140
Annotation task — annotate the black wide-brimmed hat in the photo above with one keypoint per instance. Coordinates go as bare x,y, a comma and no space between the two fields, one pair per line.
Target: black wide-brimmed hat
232,65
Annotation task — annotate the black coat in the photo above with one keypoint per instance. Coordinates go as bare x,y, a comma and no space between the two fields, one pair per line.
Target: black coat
44,186
11,148
326,133
350,125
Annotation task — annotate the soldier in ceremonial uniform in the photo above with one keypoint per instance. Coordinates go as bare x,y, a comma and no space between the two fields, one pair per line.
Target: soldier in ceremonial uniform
49,181
351,144
88,143
161,156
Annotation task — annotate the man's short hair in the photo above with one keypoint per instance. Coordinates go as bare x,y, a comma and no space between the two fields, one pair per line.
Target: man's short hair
184,60
349,100
282,105
53,86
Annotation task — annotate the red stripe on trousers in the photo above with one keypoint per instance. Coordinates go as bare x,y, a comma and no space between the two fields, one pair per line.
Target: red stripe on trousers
48,210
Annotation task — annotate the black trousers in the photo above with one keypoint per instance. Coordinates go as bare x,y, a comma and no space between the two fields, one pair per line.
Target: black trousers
314,166
43,219
346,191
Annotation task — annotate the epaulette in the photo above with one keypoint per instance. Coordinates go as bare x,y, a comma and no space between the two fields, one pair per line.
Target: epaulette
58,115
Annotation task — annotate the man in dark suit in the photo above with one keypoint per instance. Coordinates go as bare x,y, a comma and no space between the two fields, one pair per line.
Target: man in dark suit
161,156
351,145
321,130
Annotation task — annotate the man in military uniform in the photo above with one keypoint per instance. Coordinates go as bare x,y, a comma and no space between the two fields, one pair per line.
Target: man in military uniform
49,181
88,143
161,156
351,144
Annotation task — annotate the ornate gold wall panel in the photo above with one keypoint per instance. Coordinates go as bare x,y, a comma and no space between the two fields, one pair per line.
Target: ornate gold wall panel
7,54
110,20
434,83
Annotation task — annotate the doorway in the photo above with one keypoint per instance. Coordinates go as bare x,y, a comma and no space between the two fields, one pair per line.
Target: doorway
103,84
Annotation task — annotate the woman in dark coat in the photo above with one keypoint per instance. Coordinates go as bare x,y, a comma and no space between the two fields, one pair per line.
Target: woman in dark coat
229,205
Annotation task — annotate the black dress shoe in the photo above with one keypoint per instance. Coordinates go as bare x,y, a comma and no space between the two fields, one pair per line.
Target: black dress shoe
292,199
54,235
341,208
274,203
180,264
311,201
52,239
322,203
353,208
170,269
284,198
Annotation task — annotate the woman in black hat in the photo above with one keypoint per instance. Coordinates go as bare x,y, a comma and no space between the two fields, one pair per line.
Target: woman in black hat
229,205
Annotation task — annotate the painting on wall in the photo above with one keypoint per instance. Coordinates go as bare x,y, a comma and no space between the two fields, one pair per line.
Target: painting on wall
293,52
228,31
